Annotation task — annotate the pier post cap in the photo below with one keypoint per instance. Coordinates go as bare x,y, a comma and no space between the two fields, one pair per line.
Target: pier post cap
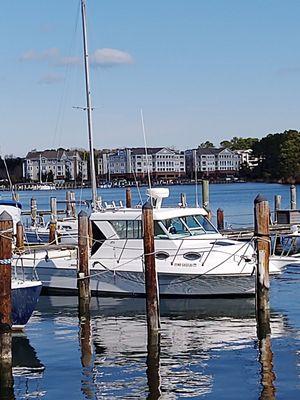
19,223
147,206
82,214
259,199
5,216
220,209
293,186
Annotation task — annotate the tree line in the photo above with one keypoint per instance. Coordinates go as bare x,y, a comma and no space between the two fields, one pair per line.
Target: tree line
278,156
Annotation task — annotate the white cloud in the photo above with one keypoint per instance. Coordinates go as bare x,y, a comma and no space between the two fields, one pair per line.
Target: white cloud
99,58
110,57
50,79
72,60
46,55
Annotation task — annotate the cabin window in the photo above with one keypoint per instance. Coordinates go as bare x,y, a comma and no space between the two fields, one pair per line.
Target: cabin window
190,225
131,229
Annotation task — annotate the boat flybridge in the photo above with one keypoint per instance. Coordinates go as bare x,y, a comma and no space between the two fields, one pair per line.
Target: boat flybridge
192,257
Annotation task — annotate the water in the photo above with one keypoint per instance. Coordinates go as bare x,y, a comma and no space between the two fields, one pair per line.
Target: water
236,199
208,347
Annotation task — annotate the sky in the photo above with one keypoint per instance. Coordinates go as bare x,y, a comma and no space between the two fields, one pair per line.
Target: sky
199,70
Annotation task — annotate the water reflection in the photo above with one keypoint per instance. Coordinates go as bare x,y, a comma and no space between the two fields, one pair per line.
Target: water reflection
153,364
265,355
203,343
27,368
6,376
85,340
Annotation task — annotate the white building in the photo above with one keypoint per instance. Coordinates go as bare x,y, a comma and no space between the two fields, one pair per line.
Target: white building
54,164
247,158
212,160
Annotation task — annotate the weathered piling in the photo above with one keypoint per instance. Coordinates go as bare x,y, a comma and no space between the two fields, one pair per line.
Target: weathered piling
68,204
20,237
293,193
83,259
152,298
183,199
205,194
128,198
33,211
262,235
53,207
73,204
220,219
52,231
277,202
6,230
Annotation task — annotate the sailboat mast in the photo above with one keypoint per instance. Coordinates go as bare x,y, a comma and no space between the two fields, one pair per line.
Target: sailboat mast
88,104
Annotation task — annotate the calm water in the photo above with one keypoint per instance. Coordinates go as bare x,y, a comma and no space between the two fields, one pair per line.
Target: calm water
208,348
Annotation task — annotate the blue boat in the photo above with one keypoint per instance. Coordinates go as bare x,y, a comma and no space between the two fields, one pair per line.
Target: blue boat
25,295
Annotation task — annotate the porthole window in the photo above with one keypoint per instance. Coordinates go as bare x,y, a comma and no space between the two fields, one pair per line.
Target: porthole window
162,255
192,256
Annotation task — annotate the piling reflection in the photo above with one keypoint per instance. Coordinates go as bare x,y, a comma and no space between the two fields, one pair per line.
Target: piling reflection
265,355
85,339
153,360
201,342
6,376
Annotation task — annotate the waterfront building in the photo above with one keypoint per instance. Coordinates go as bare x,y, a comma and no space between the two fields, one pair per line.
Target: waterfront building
128,163
247,158
211,161
55,165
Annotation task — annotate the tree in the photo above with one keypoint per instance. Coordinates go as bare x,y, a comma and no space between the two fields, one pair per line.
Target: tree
206,145
50,176
239,143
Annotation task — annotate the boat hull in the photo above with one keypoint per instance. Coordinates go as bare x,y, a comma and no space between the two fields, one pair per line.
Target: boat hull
130,283
25,295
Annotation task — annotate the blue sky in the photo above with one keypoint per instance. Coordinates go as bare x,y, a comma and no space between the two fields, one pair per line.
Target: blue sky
200,70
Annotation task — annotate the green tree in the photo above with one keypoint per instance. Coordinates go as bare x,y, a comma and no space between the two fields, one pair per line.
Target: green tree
206,145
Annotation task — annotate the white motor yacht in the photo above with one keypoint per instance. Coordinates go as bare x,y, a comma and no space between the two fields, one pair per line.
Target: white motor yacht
192,257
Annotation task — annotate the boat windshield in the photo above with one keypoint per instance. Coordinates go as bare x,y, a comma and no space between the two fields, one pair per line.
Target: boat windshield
189,225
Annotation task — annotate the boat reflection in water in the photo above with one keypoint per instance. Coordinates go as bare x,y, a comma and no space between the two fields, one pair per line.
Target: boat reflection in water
27,368
198,338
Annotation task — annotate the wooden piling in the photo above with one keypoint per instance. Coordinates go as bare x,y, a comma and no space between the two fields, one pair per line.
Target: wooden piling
83,262
68,204
183,199
262,234
220,219
52,231
33,210
20,237
6,231
53,208
152,297
205,194
73,204
293,193
128,198
277,205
